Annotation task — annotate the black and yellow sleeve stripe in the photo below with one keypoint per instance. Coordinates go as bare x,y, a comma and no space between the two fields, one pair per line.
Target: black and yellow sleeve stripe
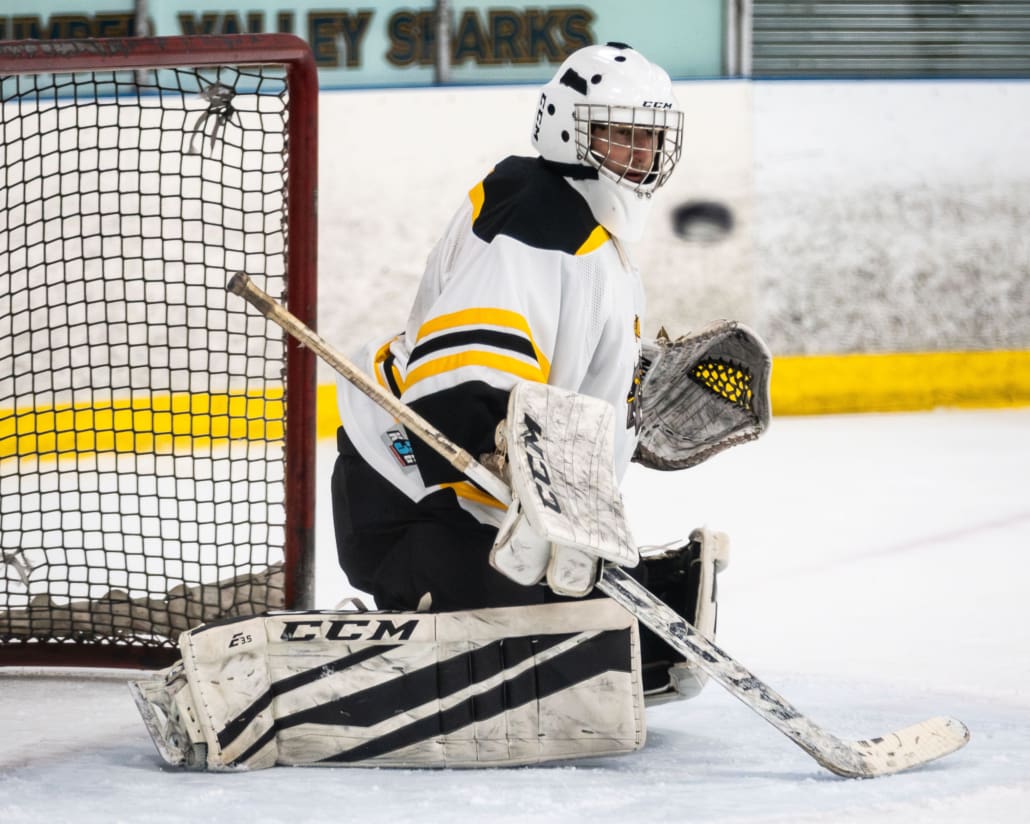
491,338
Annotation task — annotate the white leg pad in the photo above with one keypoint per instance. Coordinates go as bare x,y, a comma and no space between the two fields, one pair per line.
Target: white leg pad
520,685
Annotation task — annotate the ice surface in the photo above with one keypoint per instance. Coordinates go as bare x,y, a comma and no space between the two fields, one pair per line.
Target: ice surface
878,576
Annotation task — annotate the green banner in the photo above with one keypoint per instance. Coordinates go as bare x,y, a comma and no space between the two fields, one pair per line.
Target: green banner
389,44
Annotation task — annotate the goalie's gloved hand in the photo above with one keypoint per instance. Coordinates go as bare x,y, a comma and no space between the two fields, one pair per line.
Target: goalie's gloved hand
526,556
566,514
497,461
519,551
701,393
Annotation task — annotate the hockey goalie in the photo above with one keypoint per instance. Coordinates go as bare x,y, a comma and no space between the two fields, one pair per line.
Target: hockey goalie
489,644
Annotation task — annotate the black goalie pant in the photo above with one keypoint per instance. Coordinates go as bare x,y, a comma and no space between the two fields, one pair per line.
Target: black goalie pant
398,550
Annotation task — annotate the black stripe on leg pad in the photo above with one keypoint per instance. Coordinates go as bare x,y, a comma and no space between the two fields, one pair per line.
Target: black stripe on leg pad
397,696
606,652
371,706
237,725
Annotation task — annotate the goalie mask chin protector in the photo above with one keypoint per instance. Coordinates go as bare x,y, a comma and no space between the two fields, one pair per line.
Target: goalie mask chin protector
491,687
611,123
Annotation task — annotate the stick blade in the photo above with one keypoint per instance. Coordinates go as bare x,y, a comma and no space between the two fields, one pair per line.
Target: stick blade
897,751
891,753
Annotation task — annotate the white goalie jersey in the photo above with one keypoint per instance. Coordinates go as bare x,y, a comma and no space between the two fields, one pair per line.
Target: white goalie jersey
524,286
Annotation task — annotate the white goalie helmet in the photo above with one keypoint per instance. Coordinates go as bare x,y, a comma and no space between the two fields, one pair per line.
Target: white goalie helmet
610,118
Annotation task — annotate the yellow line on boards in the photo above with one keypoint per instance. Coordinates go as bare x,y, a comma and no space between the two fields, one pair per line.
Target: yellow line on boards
327,410
801,385
840,384
899,382
162,423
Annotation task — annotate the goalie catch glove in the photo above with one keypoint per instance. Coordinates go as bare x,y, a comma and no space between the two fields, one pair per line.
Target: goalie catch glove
566,513
700,394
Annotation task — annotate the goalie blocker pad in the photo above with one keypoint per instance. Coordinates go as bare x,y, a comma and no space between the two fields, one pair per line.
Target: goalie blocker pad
493,687
701,394
566,511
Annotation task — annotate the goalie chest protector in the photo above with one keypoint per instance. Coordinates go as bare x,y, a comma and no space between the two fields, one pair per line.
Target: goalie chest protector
493,687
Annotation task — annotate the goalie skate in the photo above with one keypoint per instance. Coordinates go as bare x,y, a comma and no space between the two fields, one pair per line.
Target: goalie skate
685,576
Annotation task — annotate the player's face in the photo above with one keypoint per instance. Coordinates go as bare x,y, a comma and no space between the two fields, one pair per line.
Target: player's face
626,150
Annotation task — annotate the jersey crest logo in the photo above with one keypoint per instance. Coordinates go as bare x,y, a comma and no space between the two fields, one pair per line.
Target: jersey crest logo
633,414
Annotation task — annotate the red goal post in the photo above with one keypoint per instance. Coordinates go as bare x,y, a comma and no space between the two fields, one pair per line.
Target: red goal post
157,439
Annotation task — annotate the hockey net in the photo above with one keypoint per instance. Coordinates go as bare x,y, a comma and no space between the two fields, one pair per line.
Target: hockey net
156,438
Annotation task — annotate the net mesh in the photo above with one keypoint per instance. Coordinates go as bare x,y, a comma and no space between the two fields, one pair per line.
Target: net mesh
142,408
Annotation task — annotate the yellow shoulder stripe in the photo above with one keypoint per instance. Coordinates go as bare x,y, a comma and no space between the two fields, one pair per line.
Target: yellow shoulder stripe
477,196
597,239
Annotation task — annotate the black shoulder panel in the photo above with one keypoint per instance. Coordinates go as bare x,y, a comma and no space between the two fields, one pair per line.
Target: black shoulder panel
526,199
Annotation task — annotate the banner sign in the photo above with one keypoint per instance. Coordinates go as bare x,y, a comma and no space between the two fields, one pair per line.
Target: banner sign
389,44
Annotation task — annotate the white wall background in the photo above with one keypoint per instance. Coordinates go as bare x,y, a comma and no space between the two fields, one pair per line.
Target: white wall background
892,216
870,216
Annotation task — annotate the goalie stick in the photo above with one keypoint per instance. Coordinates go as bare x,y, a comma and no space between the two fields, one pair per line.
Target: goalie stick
884,755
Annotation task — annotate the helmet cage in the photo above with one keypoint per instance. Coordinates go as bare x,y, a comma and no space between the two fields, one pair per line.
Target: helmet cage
665,125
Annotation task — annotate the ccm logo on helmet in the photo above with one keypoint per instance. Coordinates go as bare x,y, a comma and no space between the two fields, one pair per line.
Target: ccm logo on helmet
655,104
